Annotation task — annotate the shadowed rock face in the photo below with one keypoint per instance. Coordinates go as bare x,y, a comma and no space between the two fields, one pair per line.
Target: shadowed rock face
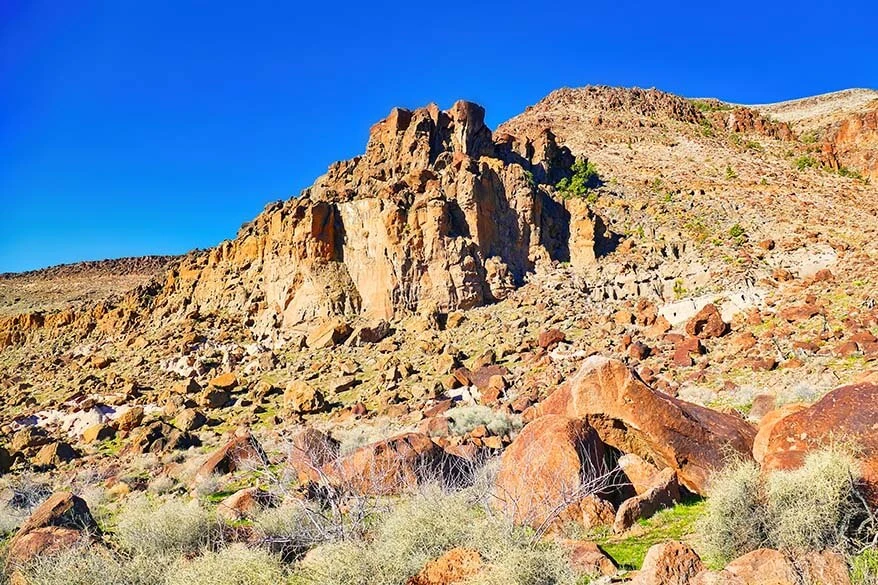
437,215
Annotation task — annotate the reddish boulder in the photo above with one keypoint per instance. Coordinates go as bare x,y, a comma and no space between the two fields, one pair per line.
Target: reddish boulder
762,566
632,417
387,467
850,412
767,424
664,492
41,542
243,504
309,451
453,567
544,472
549,339
707,323
241,452
588,559
669,563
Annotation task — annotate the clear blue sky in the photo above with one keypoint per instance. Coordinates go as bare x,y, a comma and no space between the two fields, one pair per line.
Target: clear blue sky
130,128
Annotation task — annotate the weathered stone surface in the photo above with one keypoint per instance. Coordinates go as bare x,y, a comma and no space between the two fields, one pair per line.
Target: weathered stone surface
669,563
630,416
328,334
40,542
241,452
850,412
55,453
225,381
640,473
588,559
243,504
309,451
452,568
767,424
663,492
302,397
763,566
546,470
130,419
157,437
707,323
390,466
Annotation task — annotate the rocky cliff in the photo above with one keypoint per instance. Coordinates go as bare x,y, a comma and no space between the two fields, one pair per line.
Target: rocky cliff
438,214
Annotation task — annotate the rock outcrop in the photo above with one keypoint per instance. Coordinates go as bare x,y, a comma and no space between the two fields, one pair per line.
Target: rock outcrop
846,414
634,418
437,215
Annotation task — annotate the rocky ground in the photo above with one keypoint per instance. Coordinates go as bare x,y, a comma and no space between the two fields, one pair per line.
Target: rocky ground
602,339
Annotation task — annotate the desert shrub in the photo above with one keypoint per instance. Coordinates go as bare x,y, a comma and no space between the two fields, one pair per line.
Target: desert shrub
804,162
174,526
87,565
235,565
424,526
811,508
731,524
466,418
24,494
294,527
584,178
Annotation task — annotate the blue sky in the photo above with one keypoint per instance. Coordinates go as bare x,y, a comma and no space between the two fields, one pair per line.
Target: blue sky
130,128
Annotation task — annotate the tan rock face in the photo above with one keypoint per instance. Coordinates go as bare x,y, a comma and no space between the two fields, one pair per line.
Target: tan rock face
669,563
854,143
543,472
850,412
455,566
630,416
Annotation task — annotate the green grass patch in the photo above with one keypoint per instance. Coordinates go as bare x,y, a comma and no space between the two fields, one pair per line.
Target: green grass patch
677,523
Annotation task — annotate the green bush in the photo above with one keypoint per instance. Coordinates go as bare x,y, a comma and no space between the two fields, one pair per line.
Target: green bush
811,508
731,524
864,568
804,162
235,565
466,418
145,527
585,177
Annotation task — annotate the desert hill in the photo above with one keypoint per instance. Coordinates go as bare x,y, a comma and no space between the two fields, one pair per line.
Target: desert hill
620,288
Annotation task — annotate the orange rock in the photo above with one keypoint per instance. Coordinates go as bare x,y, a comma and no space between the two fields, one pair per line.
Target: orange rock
542,473
453,567
630,416
669,563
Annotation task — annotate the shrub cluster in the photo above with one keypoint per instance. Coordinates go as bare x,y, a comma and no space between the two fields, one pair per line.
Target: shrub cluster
811,508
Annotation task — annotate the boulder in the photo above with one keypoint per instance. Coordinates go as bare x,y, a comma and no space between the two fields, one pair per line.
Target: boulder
309,451
640,473
454,567
213,397
547,470
587,559
767,424
763,566
664,492
669,563
550,338
302,397
241,452
328,334
158,437
632,417
848,412
54,454
225,381
41,542
130,419
98,432
707,323
371,333
244,504
390,466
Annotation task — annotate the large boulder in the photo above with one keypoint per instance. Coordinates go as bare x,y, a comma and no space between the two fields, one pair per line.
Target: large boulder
632,417
548,469
309,451
669,563
766,566
707,323
848,413
390,466
60,522
242,452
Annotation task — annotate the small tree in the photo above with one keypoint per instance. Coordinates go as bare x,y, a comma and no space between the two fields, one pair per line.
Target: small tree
584,178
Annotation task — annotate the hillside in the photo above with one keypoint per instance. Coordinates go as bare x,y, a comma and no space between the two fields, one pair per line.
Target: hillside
575,320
